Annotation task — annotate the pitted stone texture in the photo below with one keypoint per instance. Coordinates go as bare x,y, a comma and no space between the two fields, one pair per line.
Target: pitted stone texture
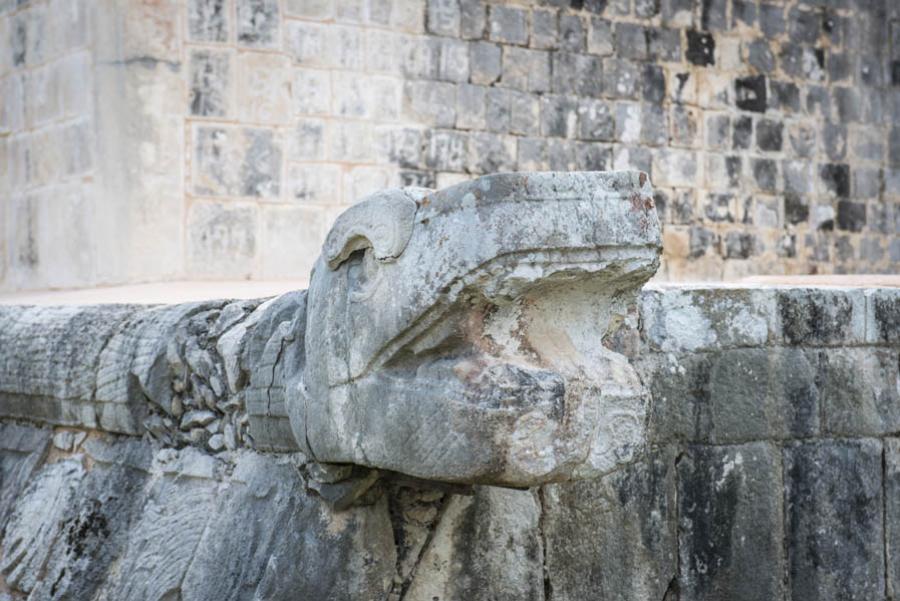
477,359
615,537
53,367
141,522
707,318
834,519
735,395
822,317
485,546
730,523
35,523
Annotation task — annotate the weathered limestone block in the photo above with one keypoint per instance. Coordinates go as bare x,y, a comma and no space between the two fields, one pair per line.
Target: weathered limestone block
485,546
734,395
892,514
834,519
456,335
860,390
51,359
822,317
95,523
707,318
613,538
730,523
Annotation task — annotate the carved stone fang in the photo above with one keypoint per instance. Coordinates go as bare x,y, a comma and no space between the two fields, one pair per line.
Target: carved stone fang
383,222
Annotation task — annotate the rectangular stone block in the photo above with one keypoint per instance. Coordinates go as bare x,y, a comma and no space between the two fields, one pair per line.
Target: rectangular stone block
470,107
734,395
708,318
207,20
291,240
53,243
730,523
508,24
311,91
315,183
490,153
526,70
615,537
834,520
883,316
307,141
892,514
443,17
821,317
402,146
222,239
375,97
76,84
485,62
544,28
233,161
430,103
362,180
860,390
453,61
264,88
600,37
258,23
351,141
211,91
326,46
446,151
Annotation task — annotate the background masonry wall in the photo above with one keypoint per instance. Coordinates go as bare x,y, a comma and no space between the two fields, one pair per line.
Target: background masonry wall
219,138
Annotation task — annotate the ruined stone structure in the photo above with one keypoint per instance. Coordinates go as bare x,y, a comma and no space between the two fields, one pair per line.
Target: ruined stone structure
516,421
220,138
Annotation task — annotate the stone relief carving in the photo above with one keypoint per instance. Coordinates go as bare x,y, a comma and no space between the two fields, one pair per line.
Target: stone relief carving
457,335
453,336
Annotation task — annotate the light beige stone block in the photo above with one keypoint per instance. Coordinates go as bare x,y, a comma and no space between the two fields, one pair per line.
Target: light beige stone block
75,84
236,161
310,9
12,107
314,183
264,87
359,182
53,238
312,91
290,242
222,239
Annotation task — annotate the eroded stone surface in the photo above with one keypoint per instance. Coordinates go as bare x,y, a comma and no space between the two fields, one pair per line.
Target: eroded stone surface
450,356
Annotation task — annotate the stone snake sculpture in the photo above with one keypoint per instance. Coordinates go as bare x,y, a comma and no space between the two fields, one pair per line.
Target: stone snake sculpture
454,336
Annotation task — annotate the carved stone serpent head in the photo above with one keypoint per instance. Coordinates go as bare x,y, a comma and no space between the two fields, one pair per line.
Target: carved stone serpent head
457,335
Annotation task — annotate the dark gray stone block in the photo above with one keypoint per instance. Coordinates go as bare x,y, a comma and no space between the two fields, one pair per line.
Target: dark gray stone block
821,317
858,389
833,520
730,523
613,538
701,48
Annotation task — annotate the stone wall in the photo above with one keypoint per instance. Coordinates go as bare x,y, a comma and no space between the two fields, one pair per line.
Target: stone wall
772,471
219,138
